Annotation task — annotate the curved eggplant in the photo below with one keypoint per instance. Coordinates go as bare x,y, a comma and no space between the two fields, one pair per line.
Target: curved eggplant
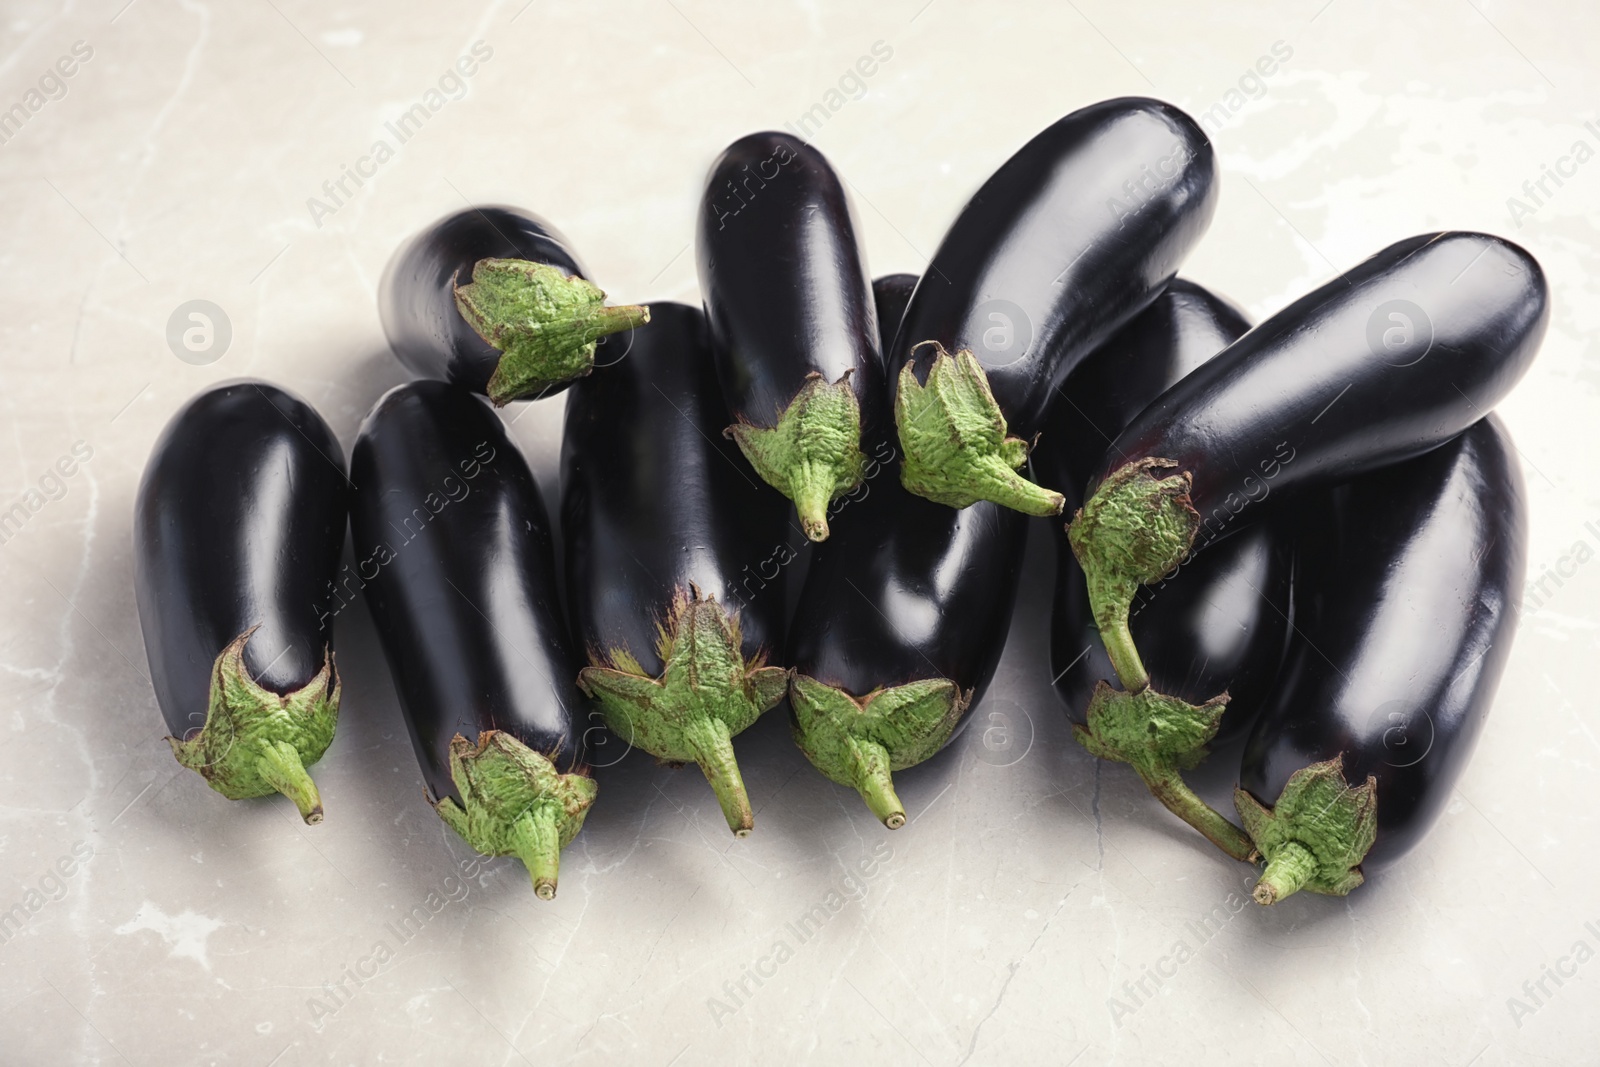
1405,621
792,320
1066,242
1390,360
457,564
1218,624
238,526
668,543
523,327
900,625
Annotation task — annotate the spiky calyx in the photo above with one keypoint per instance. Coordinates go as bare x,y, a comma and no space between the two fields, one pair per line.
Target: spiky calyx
1137,527
515,803
812,454
706,695
953,438
1160,736
256,742
543,321
1316,835
858,741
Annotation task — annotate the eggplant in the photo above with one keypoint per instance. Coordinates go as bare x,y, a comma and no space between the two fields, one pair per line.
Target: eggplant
1065,243
1406,611
238,526
524,326
1218,624
792,319
1384,363
456,561
900,625
1217,627
668,540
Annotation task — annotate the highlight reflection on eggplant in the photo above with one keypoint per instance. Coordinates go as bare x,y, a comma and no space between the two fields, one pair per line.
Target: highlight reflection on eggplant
1405,618
494,299
667,535
899,628
454,547
792,321
1066,242
238,526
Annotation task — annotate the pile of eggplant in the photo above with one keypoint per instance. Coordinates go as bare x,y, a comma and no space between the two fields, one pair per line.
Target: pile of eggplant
1308,534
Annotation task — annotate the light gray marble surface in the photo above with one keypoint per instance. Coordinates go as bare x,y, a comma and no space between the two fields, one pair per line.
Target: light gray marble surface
1033,890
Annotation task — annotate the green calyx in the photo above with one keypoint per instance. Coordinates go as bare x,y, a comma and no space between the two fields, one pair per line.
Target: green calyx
515,803
953,438
543,321
812,453
256,742
706,694
1316,835
1159,736
1137,527
857,742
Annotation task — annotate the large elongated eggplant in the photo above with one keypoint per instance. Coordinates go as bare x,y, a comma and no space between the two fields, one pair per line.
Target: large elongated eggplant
792,321
1065,243
1383,363
454,549
1220,623
494,299
1405,618
238,526
899,627
668,537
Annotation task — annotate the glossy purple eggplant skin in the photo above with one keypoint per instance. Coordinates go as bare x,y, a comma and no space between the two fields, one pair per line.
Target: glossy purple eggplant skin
908,589
1066,242
891,295
416,299
1221,622
654,498
1385,362
1406,610
785,282
454,546
239,522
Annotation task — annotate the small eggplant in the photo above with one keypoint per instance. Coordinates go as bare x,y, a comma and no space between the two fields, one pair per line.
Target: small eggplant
525,324
792,322
661,519
238,526
457,561
1220,622
1391,359
1405,620
1066,242
900,625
